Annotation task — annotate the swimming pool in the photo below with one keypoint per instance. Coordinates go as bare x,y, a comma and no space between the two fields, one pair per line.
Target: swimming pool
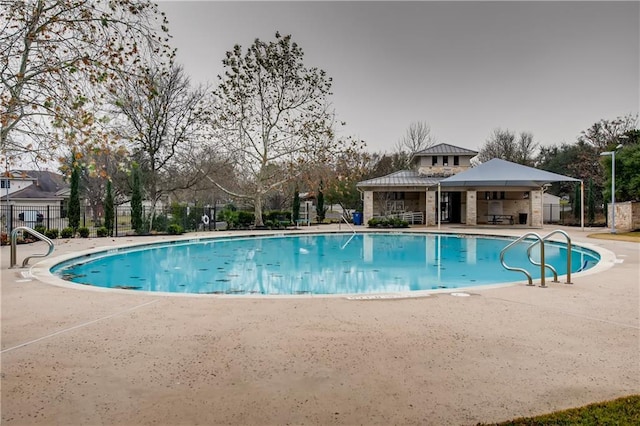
314,264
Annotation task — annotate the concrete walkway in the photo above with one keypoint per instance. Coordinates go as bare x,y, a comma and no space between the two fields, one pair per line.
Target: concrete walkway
76,356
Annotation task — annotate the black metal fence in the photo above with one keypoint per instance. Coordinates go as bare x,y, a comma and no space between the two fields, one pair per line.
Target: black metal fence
52,217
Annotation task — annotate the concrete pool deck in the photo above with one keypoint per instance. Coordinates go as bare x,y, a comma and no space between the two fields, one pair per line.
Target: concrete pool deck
83,357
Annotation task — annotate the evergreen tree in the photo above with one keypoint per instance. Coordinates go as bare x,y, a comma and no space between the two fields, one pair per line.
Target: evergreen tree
295,215
591,202
136,200
577,203
108,210
74,197
320,210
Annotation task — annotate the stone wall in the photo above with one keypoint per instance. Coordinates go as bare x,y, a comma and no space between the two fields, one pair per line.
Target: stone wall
627,216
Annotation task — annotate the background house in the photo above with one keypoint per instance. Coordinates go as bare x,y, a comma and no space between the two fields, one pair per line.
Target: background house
32,197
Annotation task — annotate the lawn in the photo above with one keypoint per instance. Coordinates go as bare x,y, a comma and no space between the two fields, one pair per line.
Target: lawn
633,237
620,412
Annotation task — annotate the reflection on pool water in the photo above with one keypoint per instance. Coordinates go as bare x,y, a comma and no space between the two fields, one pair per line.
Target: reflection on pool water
315,264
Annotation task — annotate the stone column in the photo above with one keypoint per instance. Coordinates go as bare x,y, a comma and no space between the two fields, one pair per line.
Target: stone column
367,208
472,208
430,208
536,209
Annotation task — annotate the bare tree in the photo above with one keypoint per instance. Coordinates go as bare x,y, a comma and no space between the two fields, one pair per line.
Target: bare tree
417,138
503,144
273,117
604,134
163,116
59,58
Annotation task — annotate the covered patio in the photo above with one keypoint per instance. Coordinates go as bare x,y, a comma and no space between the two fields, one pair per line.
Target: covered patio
502,192
497,192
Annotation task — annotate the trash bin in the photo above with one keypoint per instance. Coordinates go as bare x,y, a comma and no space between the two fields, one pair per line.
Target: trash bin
522,218
357,218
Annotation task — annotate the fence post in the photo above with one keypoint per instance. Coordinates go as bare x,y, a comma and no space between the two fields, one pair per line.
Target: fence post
48,218
115,221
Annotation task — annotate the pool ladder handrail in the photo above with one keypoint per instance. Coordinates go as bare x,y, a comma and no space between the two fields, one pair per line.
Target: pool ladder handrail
524,271
14,246
353,235
569,246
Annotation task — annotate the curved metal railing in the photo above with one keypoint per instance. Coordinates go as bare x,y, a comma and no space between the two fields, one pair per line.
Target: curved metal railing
555,273
524,271
14,246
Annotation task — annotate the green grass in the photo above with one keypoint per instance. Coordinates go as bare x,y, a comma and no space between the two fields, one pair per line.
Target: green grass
619,412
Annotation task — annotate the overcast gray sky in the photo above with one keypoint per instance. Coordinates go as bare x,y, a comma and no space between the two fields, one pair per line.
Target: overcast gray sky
464,68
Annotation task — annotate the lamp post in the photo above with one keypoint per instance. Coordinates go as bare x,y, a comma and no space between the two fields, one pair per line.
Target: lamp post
613,185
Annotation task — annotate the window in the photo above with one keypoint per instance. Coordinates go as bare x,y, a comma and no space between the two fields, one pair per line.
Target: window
495,195
456,160
445,160
434,160
5,183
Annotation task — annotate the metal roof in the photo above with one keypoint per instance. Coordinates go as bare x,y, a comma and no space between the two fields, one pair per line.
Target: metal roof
401,178
498,172
445,149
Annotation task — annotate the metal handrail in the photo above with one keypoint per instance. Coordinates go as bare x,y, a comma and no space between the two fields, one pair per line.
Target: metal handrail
348,224
14,246
352,235
569,247
524,271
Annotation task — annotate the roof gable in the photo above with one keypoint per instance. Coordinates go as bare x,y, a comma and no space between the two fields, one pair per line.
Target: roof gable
446,149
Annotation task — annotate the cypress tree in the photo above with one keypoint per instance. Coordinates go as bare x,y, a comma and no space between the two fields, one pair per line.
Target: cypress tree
108,210
320,212
74,197
576,203
136,199
591,202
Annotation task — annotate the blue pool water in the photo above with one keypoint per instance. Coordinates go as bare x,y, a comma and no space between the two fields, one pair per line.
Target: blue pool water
315,264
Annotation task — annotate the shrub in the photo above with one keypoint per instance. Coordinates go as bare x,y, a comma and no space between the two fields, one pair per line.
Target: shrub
285,223
83,231
229,216
387,223
277,215
245,218
67,232
4,239
161,223
51,233
39,228
102,232
174,229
